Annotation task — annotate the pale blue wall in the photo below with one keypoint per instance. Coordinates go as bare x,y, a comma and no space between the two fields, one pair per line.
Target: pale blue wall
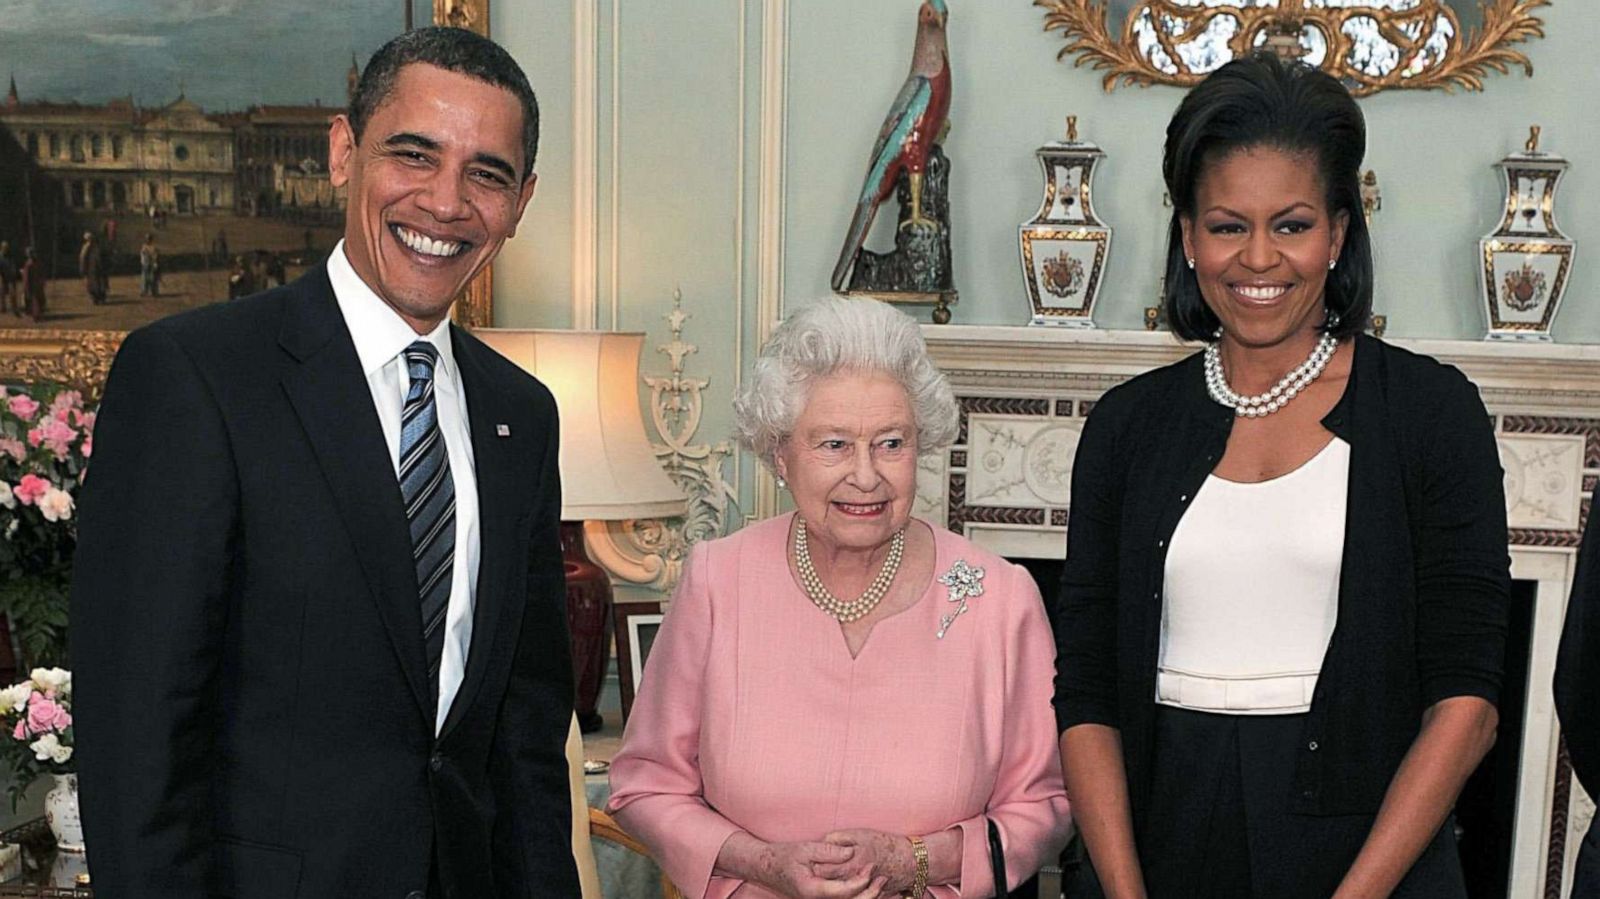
1432,153
677,164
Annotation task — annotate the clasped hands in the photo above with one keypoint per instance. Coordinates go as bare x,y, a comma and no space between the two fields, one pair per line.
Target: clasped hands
845,864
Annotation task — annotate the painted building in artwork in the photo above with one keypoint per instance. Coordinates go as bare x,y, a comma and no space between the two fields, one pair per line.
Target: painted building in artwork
118,157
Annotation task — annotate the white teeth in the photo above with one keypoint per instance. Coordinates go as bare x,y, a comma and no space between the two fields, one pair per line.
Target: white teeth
1260,293
427,245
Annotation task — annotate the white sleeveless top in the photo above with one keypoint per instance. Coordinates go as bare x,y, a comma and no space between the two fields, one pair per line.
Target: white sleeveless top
1252,590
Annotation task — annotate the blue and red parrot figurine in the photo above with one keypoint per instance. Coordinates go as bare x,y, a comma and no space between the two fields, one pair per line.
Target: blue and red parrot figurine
908,134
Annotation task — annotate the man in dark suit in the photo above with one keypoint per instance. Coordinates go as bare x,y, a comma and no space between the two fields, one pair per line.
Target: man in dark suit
1577,690
317,620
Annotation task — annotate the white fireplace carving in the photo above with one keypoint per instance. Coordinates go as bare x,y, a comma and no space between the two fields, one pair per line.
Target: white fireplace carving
1025,392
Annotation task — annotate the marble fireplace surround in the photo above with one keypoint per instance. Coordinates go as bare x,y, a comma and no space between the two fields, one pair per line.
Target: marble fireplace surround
1025,391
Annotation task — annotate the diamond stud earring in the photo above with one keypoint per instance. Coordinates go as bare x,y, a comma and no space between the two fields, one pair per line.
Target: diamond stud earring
1191,262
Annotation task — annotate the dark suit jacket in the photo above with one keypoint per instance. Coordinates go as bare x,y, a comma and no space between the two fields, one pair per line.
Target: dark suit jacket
251,712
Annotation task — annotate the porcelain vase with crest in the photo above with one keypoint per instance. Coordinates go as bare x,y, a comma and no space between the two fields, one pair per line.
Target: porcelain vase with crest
1064,247
1524,264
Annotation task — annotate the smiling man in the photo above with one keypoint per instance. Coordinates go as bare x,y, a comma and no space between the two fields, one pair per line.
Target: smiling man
318,632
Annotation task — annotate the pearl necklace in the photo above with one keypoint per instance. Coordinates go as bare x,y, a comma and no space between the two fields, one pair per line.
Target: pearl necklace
856,609
1280,394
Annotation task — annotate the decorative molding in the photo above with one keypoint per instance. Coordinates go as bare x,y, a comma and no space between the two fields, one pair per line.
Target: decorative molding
650,553
585,164
616,163
770,199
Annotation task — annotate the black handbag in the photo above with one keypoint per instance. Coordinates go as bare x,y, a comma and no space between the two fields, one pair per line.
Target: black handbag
997,860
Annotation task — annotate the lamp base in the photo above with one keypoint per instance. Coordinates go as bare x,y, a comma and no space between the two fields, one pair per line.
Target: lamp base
589,601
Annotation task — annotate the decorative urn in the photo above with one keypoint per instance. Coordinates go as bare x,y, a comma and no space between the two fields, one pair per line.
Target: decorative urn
1064,247
1524,263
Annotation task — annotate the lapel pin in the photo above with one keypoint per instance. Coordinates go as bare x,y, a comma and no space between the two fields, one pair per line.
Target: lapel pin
502,430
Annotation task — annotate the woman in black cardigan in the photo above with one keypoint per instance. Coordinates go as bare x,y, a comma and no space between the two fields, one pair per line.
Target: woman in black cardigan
1282,616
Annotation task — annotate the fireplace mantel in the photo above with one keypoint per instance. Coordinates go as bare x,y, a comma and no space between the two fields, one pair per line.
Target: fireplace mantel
1024,394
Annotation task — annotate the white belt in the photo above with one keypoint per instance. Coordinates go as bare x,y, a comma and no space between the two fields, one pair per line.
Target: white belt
1269,694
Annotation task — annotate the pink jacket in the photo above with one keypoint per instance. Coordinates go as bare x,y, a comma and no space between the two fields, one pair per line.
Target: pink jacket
753,716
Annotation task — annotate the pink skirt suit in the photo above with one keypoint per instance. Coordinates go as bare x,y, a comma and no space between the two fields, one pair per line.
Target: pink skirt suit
753,716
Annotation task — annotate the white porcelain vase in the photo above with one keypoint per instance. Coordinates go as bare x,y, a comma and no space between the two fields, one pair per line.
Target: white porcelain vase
61,810
1523,263
1065,246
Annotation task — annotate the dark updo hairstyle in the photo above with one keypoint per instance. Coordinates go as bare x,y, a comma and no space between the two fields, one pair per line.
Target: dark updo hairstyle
1261,101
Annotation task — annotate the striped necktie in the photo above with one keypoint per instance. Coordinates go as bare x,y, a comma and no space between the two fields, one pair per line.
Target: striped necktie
430,498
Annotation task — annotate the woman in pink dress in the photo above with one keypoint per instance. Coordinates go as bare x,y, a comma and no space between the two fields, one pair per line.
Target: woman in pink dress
842,698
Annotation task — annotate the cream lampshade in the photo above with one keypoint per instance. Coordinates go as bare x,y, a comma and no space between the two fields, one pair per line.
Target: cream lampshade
609,470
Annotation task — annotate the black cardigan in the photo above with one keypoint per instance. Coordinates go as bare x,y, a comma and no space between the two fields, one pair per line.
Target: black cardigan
1577,682
1424,583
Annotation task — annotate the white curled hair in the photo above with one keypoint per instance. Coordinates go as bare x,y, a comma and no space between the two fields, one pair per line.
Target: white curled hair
837,335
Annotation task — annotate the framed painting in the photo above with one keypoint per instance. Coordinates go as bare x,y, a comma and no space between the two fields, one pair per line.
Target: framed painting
155,157
636,626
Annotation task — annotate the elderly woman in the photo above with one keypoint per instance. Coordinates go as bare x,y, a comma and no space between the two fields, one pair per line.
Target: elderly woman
841,696
1283,608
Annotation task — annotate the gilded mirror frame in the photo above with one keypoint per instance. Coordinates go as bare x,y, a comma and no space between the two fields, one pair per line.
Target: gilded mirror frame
1414,33
83,358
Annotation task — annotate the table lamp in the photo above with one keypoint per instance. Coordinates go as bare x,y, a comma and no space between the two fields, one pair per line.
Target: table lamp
609,471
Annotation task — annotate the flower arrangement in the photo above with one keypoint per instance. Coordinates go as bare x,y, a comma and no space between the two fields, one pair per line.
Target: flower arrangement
37,714
46,439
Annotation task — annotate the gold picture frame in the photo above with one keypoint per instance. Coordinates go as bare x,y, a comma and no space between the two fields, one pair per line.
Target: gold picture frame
1427,44
82,358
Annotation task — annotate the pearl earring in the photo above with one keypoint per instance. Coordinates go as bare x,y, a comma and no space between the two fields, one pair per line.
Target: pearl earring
1333,264
782,484
1191,262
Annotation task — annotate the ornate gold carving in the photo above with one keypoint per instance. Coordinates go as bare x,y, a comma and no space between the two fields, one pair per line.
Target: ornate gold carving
472,15
1432,53
78,358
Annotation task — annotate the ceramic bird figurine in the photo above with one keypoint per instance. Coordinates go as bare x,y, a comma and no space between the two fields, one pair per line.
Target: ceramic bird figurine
909,132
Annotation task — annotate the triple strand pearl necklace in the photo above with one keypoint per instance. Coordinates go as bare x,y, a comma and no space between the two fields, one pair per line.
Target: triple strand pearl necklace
1280,394
861,606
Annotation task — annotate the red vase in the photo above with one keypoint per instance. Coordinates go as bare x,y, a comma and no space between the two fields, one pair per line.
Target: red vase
589,602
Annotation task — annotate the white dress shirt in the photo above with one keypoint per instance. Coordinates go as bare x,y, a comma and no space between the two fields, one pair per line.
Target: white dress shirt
380,336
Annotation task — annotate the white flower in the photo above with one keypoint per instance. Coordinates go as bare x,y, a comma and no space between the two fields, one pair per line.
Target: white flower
7,501
15,698
48,748
57,679
11,529
56,504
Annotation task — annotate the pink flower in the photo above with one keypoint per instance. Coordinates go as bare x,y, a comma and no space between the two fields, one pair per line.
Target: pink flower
21,732
65,403
58,436
23,406
30,489
35,436
46,715
85,420
10,446
87,447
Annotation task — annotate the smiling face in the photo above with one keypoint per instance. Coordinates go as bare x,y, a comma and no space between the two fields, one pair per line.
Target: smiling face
1261,239
435,188
851,462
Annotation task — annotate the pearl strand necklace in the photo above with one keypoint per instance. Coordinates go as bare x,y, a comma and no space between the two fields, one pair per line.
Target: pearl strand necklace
858,608
1280,394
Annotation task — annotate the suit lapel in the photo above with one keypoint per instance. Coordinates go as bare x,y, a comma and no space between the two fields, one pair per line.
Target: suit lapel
496,459
329,393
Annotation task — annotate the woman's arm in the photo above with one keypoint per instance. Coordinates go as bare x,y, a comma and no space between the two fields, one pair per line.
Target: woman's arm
1463,579
1091,758
1456,734
657,793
